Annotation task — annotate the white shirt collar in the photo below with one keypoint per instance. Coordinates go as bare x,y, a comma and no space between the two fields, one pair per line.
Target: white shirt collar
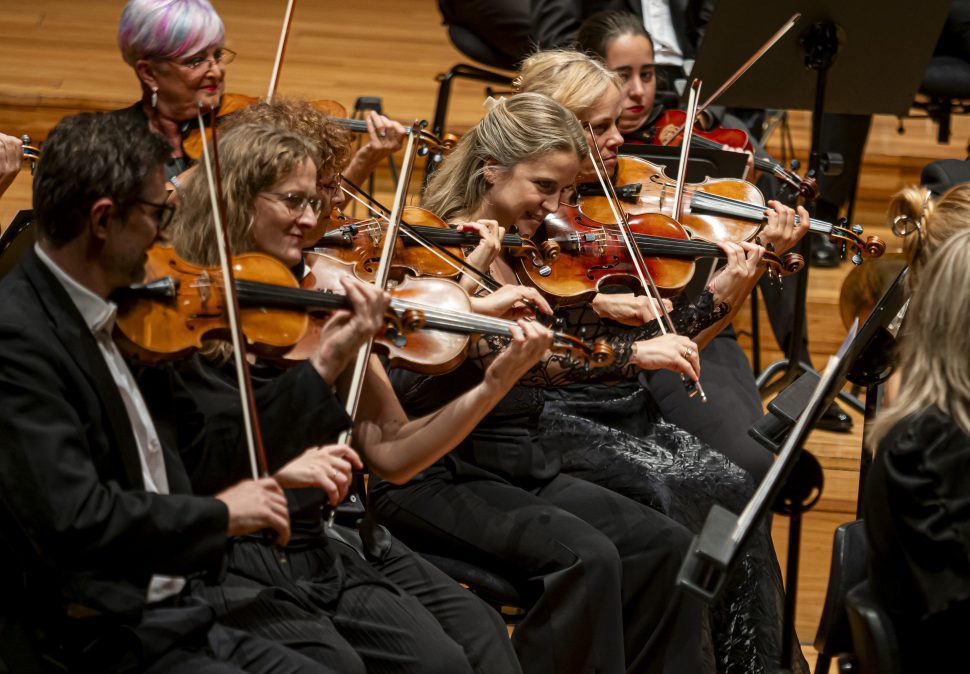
98,314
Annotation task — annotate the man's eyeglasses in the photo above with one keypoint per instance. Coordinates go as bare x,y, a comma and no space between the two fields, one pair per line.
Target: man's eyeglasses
163,213
297,203
219,56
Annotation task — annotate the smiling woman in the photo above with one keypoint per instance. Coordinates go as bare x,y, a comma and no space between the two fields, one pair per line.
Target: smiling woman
177,52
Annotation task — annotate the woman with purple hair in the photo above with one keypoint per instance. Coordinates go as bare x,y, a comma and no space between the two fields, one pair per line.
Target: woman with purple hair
177,49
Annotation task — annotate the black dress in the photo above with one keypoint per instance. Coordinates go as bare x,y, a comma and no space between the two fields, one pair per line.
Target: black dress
614,435
917,511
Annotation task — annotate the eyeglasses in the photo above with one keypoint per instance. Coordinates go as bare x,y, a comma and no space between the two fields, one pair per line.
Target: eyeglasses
297,203
219,56
333,186
163,213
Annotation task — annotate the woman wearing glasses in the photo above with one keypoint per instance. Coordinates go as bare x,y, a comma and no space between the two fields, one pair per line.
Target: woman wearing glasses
177,50
272,198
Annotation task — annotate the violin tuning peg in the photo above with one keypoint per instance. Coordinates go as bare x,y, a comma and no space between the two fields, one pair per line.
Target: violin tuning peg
857,259
857,229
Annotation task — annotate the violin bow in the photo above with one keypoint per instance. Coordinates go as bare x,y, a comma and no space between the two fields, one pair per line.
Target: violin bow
678,205
754,58
380,278
664,321
254,438
280,50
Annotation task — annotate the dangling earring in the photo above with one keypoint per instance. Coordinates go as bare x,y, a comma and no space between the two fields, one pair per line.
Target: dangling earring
154,97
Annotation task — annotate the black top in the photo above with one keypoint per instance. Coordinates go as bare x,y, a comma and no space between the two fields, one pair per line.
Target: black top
173,165
917,512
506,442
297,410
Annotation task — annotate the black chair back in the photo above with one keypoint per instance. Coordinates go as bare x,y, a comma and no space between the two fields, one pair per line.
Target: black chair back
850,556
876,648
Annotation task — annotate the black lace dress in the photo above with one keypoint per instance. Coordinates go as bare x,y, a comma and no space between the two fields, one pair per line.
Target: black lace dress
613,435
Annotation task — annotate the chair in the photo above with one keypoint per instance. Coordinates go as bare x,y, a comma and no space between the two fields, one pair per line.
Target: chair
470,44
495,590
876,648
850,554
945,91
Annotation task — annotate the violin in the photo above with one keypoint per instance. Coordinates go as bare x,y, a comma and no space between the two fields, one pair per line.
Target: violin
668,130
182,304
29,152
230,103
715,210
192,140
447,322
591,254
359,242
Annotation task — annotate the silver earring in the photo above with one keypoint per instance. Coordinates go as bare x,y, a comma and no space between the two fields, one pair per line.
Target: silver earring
154,97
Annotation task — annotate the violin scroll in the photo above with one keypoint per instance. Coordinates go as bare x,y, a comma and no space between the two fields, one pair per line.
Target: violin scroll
871,247
31,153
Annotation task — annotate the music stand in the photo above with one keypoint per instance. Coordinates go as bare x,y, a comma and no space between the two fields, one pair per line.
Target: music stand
715,550
15,242
830,61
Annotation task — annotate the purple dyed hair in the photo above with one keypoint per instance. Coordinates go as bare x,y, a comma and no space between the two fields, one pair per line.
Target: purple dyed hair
168,29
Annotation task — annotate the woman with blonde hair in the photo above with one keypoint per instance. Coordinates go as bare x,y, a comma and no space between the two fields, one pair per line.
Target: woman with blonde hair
918,488
597,570
683,457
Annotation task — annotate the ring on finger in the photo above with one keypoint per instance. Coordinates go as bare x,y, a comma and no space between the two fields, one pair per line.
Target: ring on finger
688,352
382,134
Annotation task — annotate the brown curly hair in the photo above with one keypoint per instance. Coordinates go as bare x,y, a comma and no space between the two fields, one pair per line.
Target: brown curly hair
331,140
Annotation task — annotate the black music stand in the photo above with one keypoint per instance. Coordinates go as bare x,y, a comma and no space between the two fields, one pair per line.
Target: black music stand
793,484
16,239
843,57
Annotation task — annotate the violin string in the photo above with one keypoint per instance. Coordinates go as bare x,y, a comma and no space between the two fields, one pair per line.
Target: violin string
474,277
435,318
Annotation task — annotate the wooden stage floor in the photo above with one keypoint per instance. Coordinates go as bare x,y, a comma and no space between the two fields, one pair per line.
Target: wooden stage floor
59,56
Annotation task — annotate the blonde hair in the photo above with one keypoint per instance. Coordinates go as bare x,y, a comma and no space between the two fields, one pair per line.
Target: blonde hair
253,159
935,342
571,78
938,221
518,129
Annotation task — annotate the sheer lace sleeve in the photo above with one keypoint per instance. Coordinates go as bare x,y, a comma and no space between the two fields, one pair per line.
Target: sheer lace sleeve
558,368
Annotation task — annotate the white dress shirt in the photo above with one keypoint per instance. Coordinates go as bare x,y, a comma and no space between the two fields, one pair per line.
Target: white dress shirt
99,316
657,21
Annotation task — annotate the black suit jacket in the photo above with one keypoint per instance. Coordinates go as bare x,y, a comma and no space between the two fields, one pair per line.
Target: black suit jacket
555,22
78,526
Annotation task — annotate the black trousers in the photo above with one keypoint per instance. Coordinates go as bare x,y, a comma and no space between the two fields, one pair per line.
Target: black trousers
733,403
183,636
328,603
600,568
465,618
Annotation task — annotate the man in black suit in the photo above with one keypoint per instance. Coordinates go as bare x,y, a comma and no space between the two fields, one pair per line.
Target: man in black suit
103,545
